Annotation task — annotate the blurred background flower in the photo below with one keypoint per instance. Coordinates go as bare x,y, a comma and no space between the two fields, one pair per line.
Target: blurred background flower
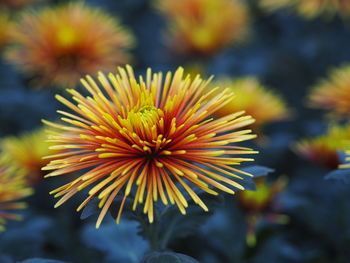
13,188
323,150
58,45
16,3
333,94
25,153
265,105
145,136
204,26
261,204
311,8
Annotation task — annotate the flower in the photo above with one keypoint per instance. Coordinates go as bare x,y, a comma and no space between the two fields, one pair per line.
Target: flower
58,45
204,26
250,95
261,203
148,138
25,153
12,189
5,28
323,149
311,8
334,93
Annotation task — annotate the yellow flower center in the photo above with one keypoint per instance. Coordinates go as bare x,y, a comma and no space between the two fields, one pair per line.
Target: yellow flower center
66,36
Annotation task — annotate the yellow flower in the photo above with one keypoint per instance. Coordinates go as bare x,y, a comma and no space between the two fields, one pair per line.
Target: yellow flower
261,204
148,139
333,93
255,99
25,153
58,45
12,189
311,8
204,26
323,149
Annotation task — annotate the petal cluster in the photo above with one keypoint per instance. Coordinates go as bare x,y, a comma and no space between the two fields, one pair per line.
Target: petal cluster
13,188
311,8
147,139
204,26
55,46
323,150
25,153
333,94
250,95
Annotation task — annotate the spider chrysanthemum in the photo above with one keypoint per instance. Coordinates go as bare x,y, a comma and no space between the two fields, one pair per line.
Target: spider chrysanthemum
148,139
55,46
323,150
25,153
204,26
250,95
311,8
333,94
13,188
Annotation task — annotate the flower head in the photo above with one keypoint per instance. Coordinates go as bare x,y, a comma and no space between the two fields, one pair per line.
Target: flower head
323,149
255,99
311,8
261,204
204,26
334,93
57,45
13,188
148,139
25,153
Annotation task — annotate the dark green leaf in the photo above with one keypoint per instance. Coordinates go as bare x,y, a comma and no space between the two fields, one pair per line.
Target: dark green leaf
41,260
342,175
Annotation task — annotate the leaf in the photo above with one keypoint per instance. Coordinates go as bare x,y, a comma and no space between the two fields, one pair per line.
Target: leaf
90,209
258,170
340,175
167,257
120,243
41,260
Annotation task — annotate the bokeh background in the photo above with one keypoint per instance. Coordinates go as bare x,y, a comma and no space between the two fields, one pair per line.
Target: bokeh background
309,218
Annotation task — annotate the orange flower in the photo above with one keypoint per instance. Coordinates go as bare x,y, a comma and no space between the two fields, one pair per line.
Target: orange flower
148,139
255,99
323,149
204,26
57,45
12,189
311,8
333,94
25,153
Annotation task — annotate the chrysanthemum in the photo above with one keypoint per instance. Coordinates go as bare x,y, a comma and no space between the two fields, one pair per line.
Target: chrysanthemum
5,28
204,26
57,45
13,188
323,150
261,203
25,153
148,139
250,95
333,93
311,8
